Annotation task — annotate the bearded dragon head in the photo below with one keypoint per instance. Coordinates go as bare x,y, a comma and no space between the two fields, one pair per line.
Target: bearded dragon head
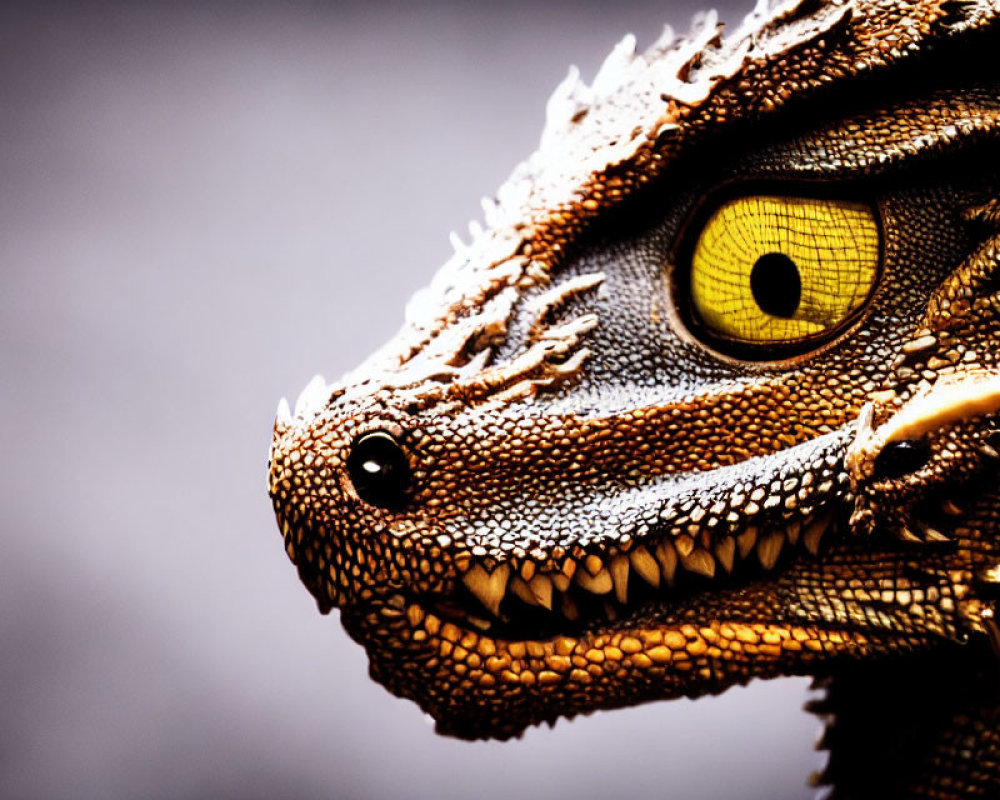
604,460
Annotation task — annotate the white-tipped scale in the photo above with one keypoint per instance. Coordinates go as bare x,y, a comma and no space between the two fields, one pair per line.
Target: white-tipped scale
312,398
614,70
283,416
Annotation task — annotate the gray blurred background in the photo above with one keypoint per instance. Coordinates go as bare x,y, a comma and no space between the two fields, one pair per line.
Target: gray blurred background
202,205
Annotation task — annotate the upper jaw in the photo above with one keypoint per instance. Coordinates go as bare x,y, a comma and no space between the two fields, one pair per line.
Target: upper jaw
568,547
519,571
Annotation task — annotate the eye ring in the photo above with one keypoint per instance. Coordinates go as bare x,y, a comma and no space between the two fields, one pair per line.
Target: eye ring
844,311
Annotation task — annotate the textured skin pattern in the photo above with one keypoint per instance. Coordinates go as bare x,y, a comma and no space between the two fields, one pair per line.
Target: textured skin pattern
590,503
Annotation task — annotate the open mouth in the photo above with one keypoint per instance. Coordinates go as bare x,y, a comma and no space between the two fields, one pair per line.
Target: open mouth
528,604
736,525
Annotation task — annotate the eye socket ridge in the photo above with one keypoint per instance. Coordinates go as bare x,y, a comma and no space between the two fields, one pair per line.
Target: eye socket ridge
777,273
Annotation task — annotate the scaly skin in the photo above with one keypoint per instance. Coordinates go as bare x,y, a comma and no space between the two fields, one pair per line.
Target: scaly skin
594,503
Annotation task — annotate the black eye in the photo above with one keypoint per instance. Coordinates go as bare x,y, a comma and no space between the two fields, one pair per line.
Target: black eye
900,458
379,470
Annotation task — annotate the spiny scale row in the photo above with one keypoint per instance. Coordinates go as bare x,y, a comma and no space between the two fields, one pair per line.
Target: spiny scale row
656,565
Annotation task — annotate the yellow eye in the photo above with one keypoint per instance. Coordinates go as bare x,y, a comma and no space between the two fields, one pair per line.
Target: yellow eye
773,271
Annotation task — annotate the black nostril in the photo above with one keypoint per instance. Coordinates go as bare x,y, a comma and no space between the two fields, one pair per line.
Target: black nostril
901,458
379,470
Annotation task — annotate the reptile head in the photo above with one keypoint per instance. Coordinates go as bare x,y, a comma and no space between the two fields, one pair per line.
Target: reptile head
604,460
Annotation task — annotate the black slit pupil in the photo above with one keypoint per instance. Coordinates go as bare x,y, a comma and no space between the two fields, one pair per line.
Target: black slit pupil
776,285
379,470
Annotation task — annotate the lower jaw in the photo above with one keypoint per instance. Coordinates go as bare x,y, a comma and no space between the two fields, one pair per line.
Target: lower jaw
477,686
483,685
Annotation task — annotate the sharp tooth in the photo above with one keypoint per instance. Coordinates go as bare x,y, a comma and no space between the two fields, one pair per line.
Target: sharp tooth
488,587
814,533
725,551
949,507
667,557
569,609
523,590
792,531
906,535
601,583
645,565
479,622
541,586
283,416
699,561
933,534
770,548
684,545
593,564
619,576
746,540
312,398
610,611
560,581
528,570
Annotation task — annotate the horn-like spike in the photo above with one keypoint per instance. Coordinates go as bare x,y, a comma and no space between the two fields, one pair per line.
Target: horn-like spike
283,416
